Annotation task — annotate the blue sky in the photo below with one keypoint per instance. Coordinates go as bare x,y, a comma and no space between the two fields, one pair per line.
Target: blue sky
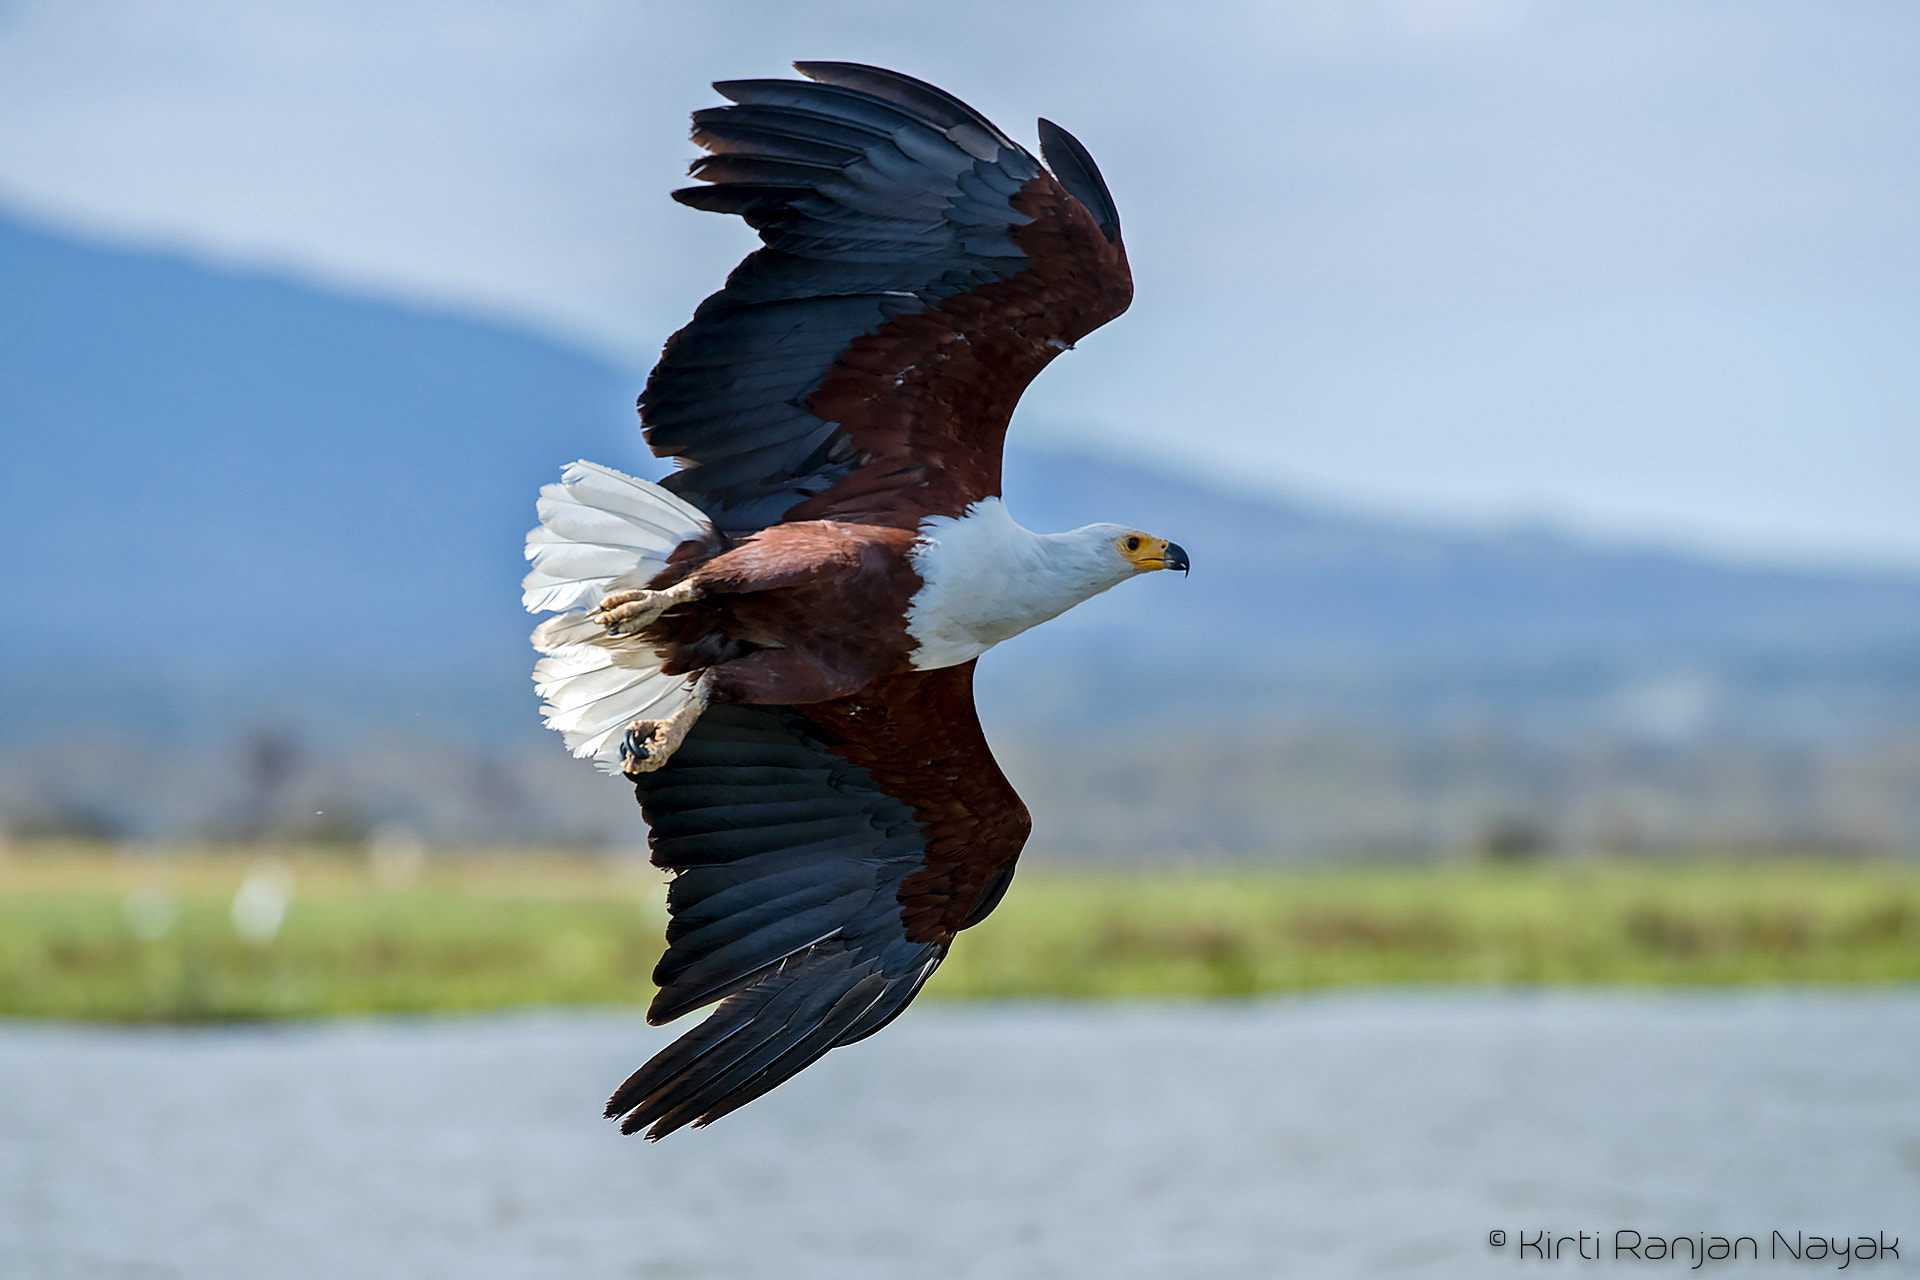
1646,270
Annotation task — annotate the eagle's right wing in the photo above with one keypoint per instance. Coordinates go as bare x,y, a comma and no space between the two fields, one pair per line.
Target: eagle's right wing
823,858
920,269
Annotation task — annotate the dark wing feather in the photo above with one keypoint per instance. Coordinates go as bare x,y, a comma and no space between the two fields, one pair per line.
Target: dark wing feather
923,100
920,269
824,857
1080,176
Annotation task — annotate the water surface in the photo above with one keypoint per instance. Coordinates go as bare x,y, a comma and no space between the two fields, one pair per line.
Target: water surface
1327,1136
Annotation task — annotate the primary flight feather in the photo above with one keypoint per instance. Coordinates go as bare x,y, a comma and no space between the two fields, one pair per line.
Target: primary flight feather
776,643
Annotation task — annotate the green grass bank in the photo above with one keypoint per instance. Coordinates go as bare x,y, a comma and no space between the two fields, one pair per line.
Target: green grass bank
173,936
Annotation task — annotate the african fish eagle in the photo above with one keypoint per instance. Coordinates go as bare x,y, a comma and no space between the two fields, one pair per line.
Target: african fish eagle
776,643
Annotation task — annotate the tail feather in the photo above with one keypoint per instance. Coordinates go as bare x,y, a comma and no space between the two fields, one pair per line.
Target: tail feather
642,530
601,532
593,710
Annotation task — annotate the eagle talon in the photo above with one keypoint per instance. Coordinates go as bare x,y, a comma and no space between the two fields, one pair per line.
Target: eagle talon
636,752
625,612
649,744
619,598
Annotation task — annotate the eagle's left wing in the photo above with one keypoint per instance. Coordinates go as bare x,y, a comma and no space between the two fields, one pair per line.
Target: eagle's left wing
920,269
824,856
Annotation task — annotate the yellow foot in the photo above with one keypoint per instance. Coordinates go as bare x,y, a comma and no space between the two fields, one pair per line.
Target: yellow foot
627,611
649,744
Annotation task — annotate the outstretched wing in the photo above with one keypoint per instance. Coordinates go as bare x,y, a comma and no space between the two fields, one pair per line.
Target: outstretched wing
824,856
920,269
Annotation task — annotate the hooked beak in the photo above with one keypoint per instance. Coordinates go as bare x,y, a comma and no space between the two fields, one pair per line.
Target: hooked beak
1175,557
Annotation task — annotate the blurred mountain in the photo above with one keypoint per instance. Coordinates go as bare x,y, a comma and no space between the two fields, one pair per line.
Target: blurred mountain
238,500
211,464
1299,610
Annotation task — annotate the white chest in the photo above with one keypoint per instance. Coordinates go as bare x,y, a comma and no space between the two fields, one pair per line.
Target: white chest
986,579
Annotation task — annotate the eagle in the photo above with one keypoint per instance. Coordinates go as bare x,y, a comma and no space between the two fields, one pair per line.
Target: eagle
776,644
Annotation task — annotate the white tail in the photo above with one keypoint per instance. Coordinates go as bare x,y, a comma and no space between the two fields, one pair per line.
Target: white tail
601,532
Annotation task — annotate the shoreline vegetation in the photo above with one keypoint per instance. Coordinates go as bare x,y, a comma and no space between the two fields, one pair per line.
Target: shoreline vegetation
186,935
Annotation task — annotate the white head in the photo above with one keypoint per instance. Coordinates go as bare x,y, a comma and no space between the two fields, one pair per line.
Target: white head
1109,554
986,578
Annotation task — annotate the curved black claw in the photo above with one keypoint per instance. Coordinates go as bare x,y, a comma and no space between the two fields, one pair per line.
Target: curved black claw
633,751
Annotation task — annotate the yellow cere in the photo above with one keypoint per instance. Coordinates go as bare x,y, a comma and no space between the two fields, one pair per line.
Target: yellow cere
1143,552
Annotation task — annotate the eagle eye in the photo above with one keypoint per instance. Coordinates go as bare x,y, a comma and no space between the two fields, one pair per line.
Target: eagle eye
1133,544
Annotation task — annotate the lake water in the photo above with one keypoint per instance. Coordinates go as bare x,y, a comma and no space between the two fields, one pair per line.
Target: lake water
1325,1136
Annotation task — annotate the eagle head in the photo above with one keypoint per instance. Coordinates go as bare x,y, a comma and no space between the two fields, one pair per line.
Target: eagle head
1145,553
